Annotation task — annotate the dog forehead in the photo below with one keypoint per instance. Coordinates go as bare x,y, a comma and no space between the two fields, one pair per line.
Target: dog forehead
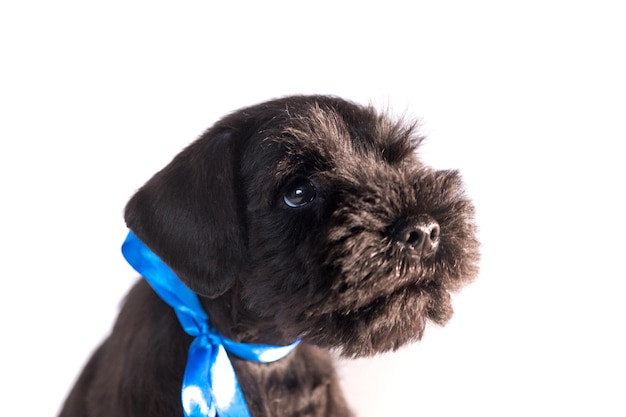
320,138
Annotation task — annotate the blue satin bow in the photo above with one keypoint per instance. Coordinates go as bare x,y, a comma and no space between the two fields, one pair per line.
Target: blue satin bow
210,385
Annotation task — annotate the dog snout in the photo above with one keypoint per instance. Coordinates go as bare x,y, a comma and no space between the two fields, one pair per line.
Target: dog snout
420,235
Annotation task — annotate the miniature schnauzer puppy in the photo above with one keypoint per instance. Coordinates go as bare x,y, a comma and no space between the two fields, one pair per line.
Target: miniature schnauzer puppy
304,218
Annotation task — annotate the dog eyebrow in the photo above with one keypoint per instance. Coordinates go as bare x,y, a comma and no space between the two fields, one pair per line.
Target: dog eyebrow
307,146
397,139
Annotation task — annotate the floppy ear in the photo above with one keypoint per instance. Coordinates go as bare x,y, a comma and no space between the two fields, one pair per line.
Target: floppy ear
188,214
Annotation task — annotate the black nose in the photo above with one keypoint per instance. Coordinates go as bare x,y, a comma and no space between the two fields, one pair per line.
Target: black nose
420,235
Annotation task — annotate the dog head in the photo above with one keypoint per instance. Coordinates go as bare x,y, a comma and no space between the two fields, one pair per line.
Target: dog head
318,217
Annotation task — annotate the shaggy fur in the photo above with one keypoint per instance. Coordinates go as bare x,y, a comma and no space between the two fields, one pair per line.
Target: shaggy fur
304,217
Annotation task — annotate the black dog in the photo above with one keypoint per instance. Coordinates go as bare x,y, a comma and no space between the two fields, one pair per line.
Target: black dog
307,217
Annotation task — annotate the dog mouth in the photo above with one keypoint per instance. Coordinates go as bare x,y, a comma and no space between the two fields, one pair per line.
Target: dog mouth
384,323
372,291
409,298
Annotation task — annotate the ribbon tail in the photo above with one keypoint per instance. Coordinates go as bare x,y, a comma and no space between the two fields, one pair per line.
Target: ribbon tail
229,399
210,386
197,396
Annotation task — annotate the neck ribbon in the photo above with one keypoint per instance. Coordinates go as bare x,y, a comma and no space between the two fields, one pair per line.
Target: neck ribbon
210,386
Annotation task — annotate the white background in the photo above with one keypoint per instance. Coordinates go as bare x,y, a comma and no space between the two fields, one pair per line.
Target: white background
527,99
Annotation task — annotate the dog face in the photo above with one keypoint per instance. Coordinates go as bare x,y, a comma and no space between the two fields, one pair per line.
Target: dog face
318,216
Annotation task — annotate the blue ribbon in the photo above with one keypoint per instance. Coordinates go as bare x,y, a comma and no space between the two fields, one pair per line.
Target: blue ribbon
210,386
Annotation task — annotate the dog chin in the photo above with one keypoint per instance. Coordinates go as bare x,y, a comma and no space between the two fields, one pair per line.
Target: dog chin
384,324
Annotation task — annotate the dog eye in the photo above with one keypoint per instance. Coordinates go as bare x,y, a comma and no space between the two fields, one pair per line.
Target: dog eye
300,193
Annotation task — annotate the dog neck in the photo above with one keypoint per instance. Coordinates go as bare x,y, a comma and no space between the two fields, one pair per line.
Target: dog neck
208,364
229,316
224,315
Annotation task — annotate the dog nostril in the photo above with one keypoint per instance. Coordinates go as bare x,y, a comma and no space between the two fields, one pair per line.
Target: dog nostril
434,233
421,235
414,238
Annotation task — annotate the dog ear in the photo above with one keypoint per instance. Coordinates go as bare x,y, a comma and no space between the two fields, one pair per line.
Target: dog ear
188,214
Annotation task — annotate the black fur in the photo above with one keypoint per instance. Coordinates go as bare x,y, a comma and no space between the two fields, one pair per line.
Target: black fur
332,272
